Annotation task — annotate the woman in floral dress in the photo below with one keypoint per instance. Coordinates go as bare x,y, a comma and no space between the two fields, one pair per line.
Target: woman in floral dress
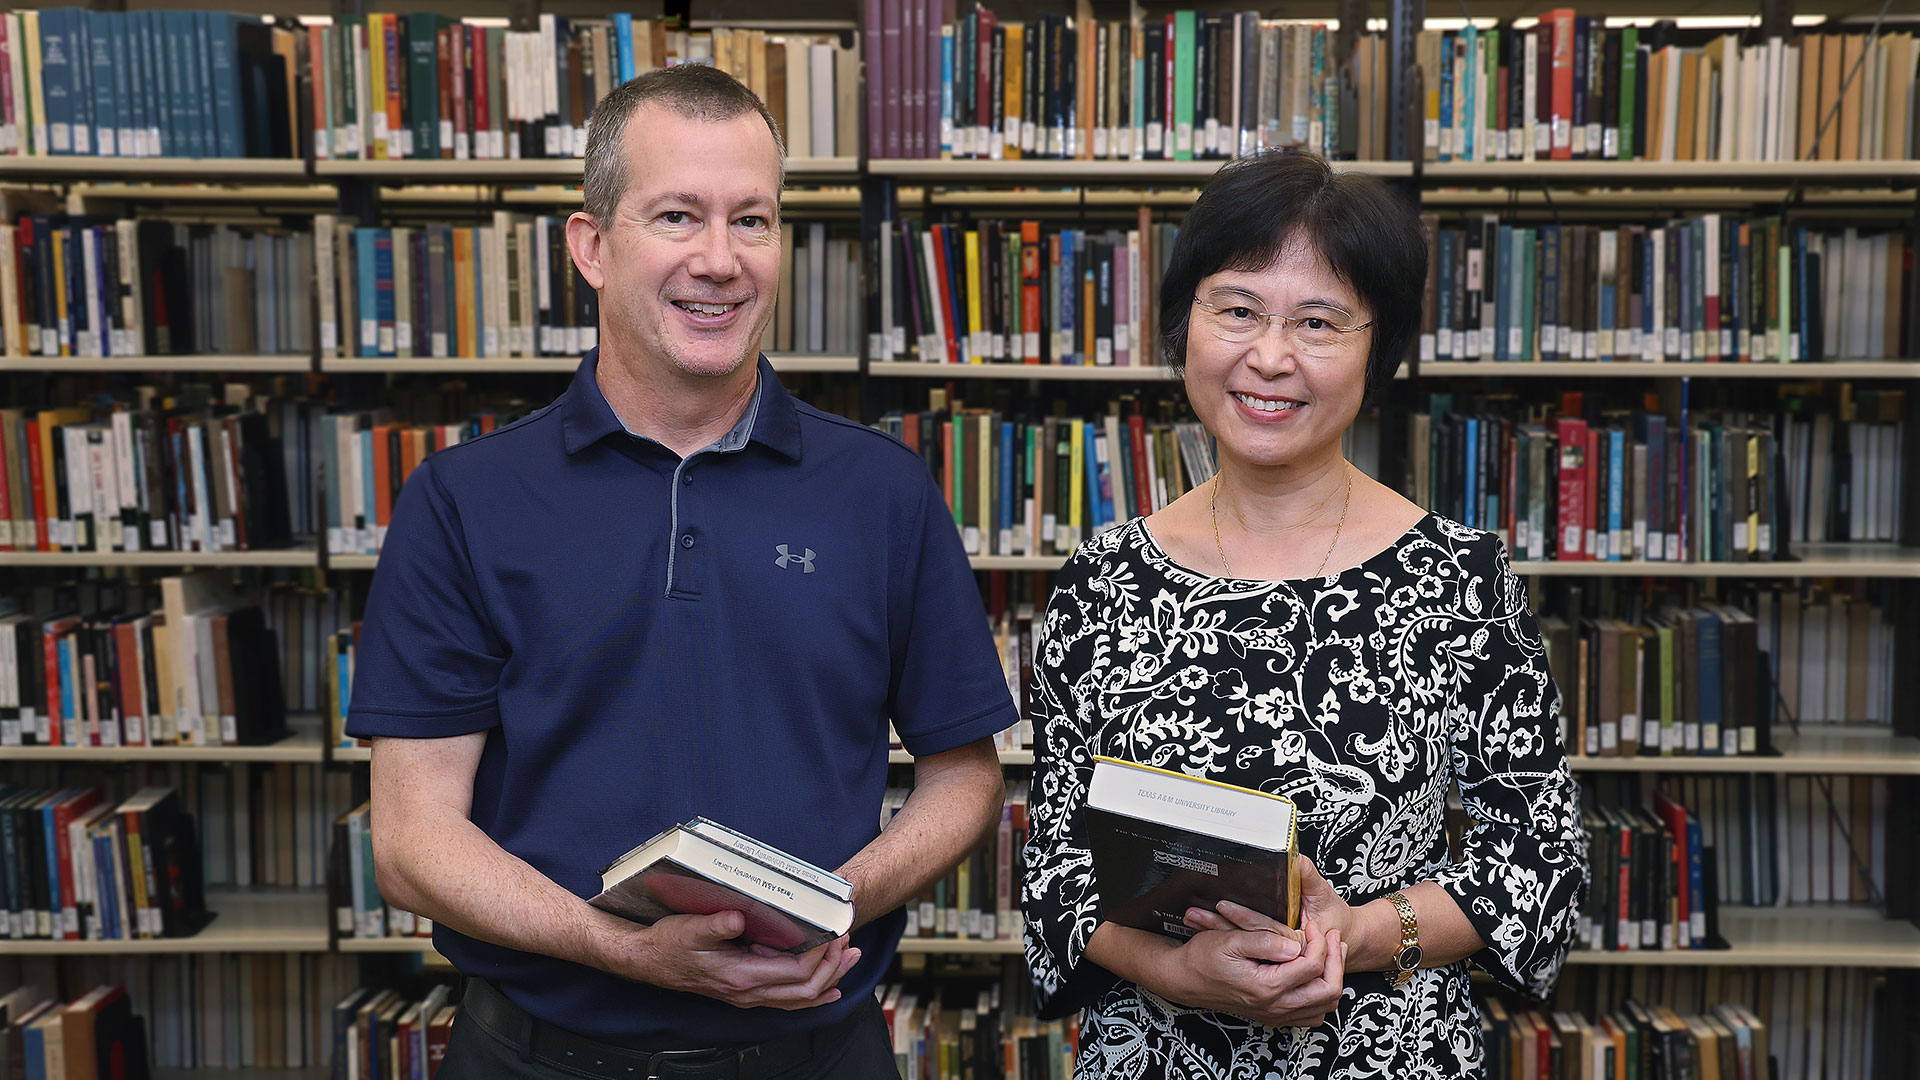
1294,626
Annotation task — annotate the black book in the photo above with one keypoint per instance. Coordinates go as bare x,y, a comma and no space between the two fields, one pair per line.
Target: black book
1102,253
1202,84
1159,847
997,83
259,706
1581,24
1156,88
1644,64
1609,84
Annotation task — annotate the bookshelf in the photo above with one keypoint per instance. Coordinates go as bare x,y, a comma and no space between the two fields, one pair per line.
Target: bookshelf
301,555
259,920
296,921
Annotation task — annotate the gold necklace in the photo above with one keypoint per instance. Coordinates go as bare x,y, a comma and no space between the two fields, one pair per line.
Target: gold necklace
1213,509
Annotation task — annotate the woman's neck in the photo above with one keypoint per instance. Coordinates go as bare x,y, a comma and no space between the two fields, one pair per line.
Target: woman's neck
1271,502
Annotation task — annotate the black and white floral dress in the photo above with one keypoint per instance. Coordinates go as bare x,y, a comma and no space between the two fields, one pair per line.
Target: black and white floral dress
1364,697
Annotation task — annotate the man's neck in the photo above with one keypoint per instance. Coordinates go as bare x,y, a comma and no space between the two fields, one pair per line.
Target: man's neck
681,412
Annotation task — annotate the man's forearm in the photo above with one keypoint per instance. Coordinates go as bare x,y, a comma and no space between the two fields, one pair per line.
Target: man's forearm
955,802
453,873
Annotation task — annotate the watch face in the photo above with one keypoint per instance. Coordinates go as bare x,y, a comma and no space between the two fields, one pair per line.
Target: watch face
1409,957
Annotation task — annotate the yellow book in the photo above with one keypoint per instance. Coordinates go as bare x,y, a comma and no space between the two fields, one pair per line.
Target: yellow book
1852,46
36,86
1077,486
1016,86
1428,54
48,419
377,79
463,292
1753,505
985,476
60,319
975,349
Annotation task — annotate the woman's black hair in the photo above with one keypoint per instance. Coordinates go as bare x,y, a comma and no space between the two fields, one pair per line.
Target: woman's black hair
1253,207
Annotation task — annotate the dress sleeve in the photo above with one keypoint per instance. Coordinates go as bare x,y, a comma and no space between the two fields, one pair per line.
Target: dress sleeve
1059,898
1522,873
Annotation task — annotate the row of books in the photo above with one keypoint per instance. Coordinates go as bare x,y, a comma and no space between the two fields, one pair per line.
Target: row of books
160,478
1579,483
358,909
1830,652
980,899
95,1034
1814,1023
1014,292
1653,885
147,84
983,1029
1712,288
385,1034
372,455
87,287
1174,85
105,665
1025,486
422,85
1528,1043
1569,86
76,866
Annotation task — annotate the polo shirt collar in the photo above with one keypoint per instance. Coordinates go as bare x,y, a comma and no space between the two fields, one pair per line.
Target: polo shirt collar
772,420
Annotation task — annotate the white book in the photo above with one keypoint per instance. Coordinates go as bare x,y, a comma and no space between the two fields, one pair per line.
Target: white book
816,286
821,99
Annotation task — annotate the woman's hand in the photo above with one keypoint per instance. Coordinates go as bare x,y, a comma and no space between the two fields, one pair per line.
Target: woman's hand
1319,904
1280,978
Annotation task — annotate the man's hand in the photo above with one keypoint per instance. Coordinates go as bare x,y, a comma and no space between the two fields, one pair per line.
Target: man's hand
699,954
1268,976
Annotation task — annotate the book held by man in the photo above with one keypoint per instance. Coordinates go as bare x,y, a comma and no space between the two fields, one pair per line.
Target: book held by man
701,867
1164,842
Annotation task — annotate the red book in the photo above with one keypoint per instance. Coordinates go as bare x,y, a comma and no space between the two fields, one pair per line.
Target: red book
1572,487
390,41
1168,128
1141,484
50,635
323,143
457,69
63,814
7,453
1629,932
6,84
942,275
910,431
1030,291
37,481
382,475
1561,20
482,96
1675,815
240,495
133,684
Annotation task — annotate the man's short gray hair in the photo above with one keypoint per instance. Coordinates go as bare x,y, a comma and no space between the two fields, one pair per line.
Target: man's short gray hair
695,91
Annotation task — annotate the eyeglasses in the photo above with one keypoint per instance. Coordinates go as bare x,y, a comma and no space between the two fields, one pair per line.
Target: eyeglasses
1315,335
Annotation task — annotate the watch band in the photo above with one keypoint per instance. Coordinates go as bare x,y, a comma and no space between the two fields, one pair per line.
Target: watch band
1408,958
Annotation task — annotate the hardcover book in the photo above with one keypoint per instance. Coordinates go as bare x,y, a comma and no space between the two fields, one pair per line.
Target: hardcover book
700,868
1164,842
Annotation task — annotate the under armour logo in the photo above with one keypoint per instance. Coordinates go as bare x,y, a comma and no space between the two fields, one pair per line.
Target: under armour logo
787,559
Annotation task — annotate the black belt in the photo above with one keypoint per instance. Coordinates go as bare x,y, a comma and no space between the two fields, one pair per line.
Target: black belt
543,1042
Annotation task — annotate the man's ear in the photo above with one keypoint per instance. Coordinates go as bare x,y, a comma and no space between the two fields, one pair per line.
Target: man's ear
583,242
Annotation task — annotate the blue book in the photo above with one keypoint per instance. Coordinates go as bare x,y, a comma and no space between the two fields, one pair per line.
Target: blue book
106,112
1466,92
367,334
1472,450
1648,343
106,896
1443,315
387,309
946,92
80,53
1616,490
1446,96
174,27
1608,289
201,45
1096,502
1683,236
623,33
56,905
1803,321
69,701
1506,318
1696,882
343,1017
1069,291
56,76
223,54
107,290
153,33
125,88
34,1039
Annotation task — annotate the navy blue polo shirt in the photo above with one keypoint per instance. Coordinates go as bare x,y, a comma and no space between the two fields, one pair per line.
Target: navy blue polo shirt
645,638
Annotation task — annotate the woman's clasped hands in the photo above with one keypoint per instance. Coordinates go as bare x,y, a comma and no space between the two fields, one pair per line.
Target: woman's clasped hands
1245,963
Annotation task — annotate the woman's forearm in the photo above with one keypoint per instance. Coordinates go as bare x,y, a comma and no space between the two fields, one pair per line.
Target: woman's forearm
1446,934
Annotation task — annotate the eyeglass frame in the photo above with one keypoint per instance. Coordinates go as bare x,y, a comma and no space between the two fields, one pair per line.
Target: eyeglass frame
1291,322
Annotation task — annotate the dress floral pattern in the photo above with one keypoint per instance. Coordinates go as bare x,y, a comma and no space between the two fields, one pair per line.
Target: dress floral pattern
1364,696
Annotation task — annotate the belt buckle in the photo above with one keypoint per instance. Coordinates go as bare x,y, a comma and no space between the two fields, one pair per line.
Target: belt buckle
654,1060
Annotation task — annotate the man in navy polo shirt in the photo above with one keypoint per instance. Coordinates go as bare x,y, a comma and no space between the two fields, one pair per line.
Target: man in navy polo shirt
673,591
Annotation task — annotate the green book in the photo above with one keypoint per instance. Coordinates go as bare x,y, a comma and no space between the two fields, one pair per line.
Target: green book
423,71
1183,42
1490,148
1629,85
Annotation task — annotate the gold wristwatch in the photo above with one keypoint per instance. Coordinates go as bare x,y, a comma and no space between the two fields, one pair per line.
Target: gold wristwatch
1408,958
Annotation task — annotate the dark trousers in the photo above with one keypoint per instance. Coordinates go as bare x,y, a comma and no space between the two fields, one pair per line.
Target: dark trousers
478,1052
